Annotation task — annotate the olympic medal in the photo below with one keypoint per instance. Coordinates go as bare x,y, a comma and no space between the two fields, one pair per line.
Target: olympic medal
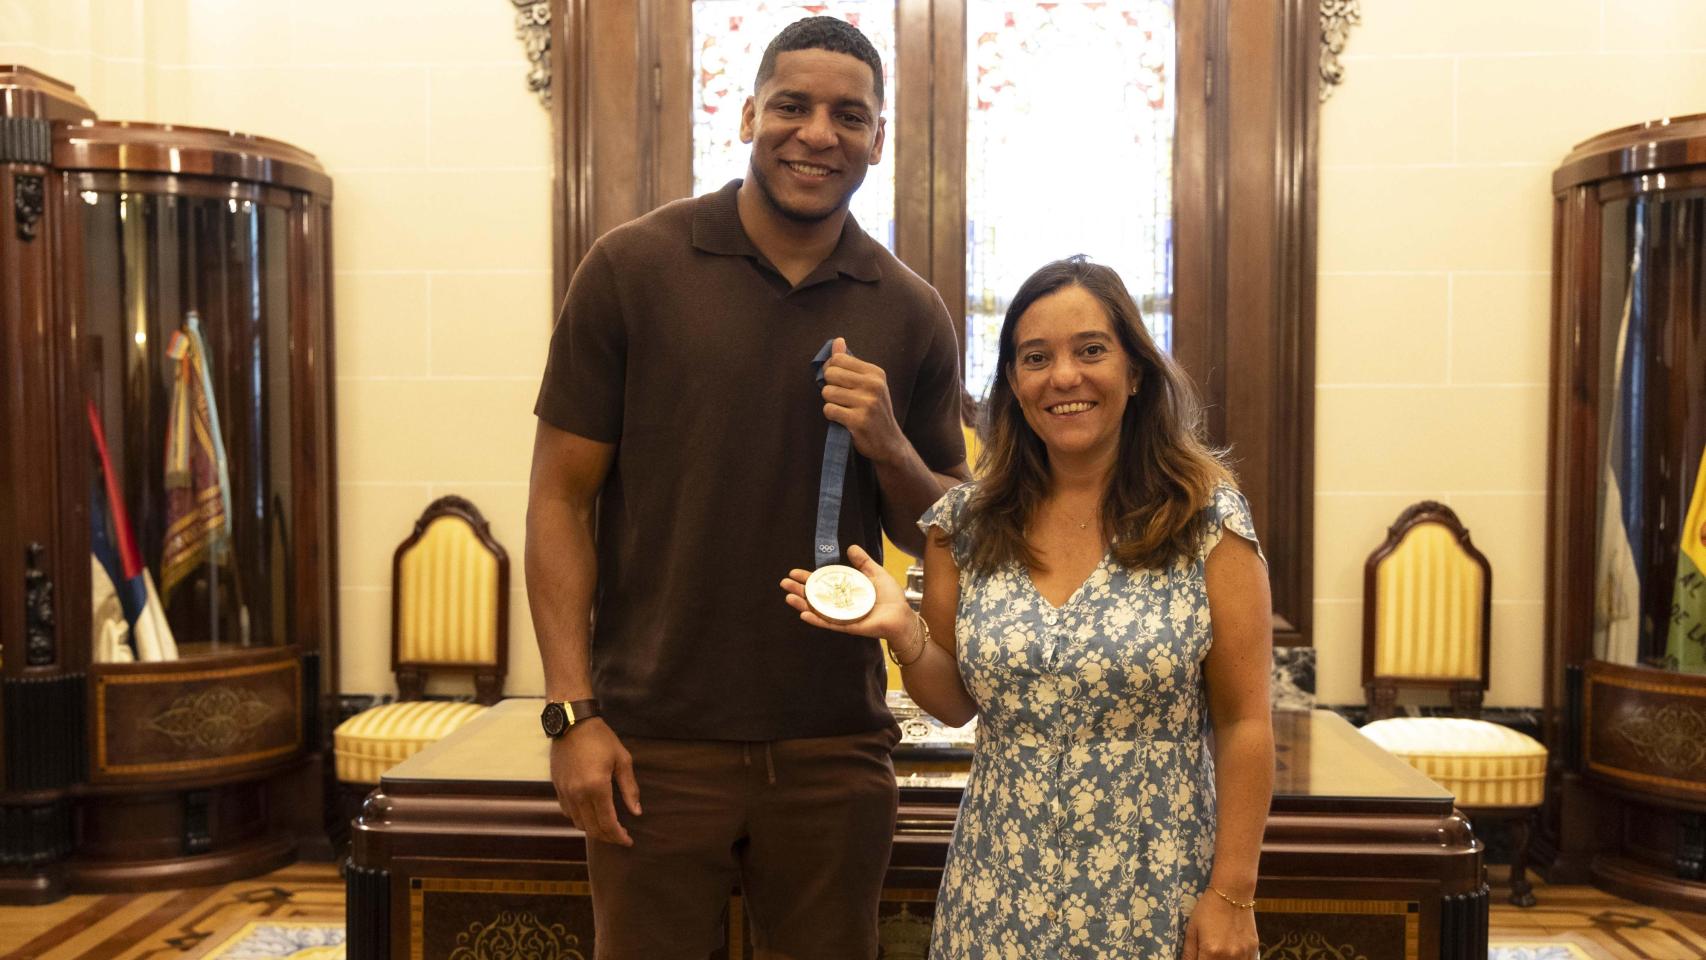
840,594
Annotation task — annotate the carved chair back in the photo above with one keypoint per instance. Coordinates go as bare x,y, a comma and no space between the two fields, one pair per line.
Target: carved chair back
450,601
1427,612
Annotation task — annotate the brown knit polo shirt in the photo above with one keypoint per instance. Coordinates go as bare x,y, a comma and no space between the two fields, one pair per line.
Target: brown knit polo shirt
681,344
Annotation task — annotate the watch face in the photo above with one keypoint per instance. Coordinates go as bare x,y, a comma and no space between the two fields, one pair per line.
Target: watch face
554,719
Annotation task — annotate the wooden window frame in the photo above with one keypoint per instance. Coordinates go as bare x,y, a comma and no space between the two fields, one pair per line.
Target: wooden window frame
1244,195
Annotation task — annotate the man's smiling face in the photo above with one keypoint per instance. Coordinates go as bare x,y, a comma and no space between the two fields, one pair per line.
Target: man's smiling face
815,126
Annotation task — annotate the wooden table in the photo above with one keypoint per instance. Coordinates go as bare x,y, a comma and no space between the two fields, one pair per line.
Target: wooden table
462,849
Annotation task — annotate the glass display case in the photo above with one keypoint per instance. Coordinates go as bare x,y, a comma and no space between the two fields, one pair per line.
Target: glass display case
169,445
1626,605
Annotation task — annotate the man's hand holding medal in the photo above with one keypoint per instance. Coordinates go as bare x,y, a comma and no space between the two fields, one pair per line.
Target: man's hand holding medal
856,395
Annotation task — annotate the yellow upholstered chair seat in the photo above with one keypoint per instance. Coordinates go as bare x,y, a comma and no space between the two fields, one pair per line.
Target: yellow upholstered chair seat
374,741
1483,764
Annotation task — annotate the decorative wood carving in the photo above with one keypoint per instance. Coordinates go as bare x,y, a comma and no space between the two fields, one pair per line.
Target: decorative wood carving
1670,737
39,647
1337,19
201,721
27,205
1310,945
1646,730
213,720
26,140
485,941
44,731
367,909
533,29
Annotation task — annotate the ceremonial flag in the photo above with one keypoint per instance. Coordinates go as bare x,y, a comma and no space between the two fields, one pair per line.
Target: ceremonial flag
109,630
1687,643
1617,581
198,503
148,628
109,606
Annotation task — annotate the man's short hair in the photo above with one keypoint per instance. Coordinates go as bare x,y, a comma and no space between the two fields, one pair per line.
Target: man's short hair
821,33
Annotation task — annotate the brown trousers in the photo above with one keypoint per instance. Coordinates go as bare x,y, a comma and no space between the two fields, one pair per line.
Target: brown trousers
803,826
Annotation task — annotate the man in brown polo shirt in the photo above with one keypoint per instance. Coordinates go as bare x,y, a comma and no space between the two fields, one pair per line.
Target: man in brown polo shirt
704,735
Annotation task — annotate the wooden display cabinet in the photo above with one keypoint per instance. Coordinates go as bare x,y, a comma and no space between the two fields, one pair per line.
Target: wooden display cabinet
1626,808
209,766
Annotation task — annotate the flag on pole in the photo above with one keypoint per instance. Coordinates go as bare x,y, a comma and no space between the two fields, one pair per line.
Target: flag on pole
148,628
198,502
1617,581
109,616
1687,642
109,631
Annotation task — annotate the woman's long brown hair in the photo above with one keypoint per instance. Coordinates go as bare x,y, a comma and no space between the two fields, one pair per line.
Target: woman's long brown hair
1164,477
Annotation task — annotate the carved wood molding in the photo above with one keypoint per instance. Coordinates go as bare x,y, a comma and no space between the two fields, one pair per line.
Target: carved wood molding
533,29
1337,19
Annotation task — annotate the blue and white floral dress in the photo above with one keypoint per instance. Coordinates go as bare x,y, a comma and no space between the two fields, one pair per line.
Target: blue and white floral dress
1087,827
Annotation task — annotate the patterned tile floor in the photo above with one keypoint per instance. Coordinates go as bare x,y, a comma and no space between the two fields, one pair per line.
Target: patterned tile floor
1569,923
1595,925
172,924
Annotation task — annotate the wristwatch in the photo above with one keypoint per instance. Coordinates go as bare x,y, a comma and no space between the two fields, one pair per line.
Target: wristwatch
559,715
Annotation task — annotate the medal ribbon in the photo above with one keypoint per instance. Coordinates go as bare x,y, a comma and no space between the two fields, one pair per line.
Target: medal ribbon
836,446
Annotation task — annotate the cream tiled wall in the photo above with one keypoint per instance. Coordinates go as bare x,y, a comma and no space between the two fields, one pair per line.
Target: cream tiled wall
105,48
440,163
1433,326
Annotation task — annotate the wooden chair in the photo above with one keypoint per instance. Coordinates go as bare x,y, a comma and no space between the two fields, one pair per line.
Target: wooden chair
1427,617
1427,612
449,611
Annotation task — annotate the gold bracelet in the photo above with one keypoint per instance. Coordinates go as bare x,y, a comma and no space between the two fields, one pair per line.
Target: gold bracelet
1240,904
924,629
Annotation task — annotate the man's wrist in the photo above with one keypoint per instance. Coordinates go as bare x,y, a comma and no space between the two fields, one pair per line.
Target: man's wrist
559,716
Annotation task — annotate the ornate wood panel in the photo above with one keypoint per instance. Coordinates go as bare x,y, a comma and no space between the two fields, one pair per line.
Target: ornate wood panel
185,720
1645,730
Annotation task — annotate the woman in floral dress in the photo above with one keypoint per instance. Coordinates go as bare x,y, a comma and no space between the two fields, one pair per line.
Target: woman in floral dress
1082,599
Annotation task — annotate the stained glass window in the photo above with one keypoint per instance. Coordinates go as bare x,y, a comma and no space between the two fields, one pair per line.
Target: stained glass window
729,37
1069,149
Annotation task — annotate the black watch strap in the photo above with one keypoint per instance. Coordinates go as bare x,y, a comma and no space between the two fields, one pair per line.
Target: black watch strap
560,715
582,710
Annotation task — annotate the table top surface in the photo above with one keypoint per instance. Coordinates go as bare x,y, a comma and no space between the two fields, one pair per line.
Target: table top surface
1321,763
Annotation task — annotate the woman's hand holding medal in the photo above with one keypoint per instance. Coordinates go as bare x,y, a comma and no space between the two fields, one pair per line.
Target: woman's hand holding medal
833,601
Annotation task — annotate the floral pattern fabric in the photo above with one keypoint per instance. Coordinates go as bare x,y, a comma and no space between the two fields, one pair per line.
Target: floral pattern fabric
1087,825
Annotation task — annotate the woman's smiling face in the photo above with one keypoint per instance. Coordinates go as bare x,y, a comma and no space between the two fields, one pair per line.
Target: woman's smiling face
1070,375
